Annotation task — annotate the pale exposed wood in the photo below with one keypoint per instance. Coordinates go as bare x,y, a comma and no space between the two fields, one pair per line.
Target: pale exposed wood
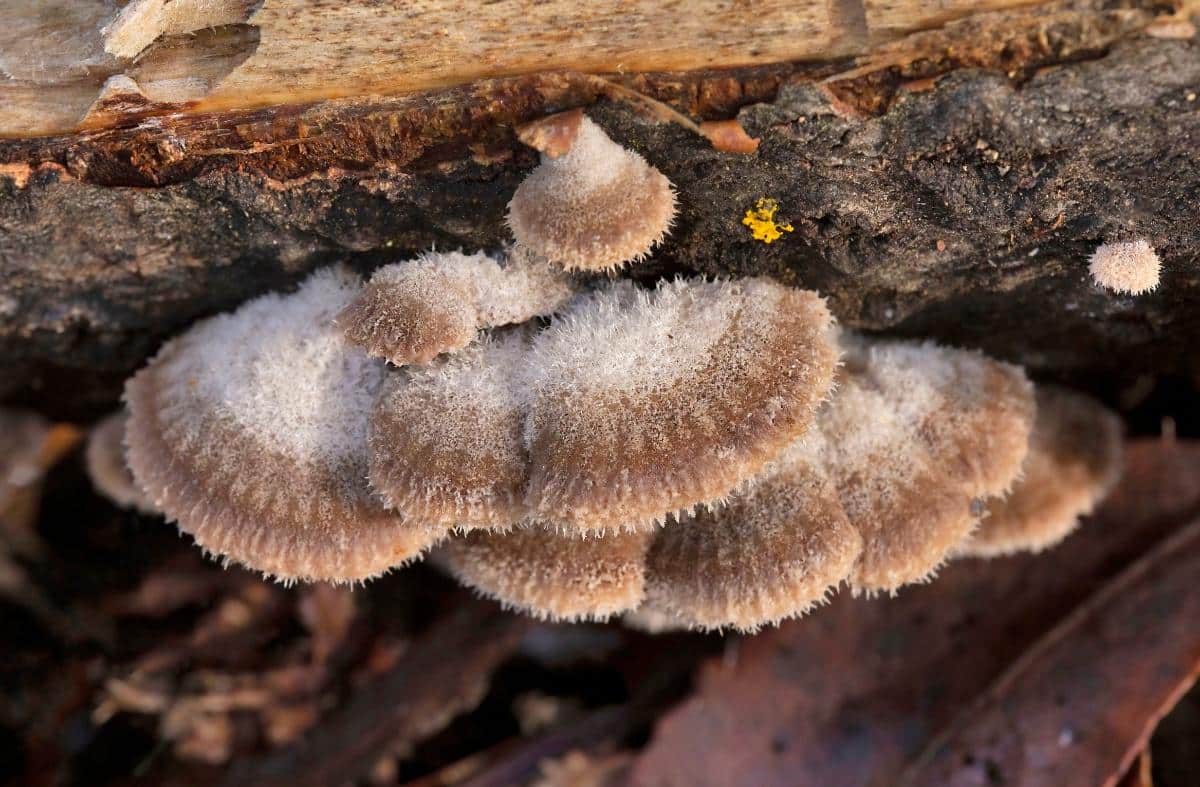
142,21
887,19
58,54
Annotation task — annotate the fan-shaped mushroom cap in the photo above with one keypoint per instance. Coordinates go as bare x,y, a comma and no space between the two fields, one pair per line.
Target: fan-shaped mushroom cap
653,402
447,442
250,430
972,413
916,434
1130,267
772,552
594,207
1074,459
106,466
410,312
550,575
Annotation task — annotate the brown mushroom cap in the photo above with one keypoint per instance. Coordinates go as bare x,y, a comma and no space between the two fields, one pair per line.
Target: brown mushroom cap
106,466
649,403
527,286
446,442
250,431
1074,460
411,312
552,576
916,434
770,553
594,207
973,414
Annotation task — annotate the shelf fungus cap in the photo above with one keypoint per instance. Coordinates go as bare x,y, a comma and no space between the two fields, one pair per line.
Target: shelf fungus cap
446,442
593,207
772,552
250,431
915,436
1131,267
1074,460
648,403
411,312
549,575
107,468
973,414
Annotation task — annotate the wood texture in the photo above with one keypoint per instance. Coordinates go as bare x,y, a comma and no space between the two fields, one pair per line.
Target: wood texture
61,56
962,209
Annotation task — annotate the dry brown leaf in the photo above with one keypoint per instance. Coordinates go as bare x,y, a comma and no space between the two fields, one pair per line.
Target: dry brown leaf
443,673
855,694
1140,773
728,136
1086,697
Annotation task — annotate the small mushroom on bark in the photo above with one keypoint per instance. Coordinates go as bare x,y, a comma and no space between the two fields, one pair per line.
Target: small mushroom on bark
411,312
593,206
1074,460
250,431
1130,267
651,403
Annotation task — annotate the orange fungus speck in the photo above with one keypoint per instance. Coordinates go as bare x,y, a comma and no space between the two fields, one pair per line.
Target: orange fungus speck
761,221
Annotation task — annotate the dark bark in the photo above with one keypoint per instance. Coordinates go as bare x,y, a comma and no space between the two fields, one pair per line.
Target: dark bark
965,211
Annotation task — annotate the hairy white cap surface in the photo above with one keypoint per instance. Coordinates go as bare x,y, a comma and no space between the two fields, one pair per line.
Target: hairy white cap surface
549,575
250,430
446,441
410,312
1074,460
106,466
771,552
651,403
1131,267
595,207
916,434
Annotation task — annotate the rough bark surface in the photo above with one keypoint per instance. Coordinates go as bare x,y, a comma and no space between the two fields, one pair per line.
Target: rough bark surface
962,208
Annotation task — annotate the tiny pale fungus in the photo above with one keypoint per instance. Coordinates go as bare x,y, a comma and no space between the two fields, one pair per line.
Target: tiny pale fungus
593,207
549,575
1131,267
411,312
107,468
250,431
770,553
446,441
916,434
1074,460
650,403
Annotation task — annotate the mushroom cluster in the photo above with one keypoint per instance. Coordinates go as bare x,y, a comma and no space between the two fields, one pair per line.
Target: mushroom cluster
702,454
